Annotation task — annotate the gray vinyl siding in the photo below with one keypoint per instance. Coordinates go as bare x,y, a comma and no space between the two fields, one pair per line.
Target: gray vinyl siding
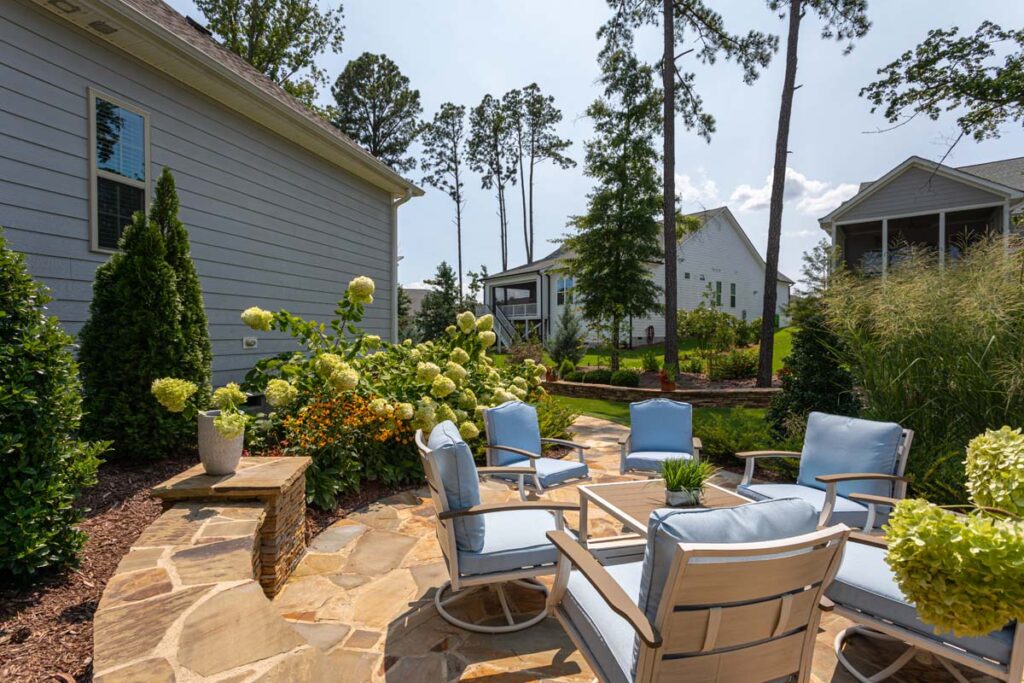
270,223
918,191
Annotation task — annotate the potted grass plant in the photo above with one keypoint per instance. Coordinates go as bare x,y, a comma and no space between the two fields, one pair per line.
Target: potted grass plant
667,377
685,479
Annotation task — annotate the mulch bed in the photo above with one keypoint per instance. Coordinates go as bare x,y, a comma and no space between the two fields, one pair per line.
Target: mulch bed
46,628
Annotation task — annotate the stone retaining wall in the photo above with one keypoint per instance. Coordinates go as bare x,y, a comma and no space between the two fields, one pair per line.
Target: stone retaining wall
706,398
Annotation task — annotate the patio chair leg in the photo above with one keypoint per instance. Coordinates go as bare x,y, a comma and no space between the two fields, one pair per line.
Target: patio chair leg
885,673
440,603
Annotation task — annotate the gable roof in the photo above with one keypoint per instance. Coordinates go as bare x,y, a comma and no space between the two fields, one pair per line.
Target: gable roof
705,216
153,32
1005,178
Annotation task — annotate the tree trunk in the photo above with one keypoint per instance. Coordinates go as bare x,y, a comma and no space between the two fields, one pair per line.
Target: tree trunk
526,225
458,235
532,163
613,354
502,218
771,268
668,83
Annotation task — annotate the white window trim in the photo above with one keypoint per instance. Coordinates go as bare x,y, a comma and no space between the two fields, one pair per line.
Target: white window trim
95,172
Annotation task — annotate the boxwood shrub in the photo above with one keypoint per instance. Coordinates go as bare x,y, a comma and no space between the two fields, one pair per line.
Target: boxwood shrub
625,378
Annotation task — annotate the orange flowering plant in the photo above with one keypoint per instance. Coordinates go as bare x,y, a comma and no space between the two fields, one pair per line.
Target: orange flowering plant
358,400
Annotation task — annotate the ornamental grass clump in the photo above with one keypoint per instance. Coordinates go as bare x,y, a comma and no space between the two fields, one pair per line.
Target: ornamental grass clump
683,474
938,350
965,572
403,387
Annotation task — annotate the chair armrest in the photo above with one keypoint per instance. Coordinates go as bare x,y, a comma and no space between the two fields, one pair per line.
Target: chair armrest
768,454
869,539
871,499
697,443
605,585
505,470
564,442
855,476
624,440
826,605
511,505
513,449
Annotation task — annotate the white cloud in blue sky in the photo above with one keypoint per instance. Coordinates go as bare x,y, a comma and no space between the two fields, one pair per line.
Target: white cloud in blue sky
459,50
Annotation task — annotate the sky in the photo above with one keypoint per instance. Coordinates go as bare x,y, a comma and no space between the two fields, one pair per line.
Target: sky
459,50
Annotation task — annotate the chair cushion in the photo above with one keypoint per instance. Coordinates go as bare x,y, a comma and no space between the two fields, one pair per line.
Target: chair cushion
550,471
609,636
836,445
453,461
650,461
866,584
660,424
515,539
513,423
846,512
761,521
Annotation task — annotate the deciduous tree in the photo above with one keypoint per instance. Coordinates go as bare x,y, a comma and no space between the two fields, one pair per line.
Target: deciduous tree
281,38
376,107
842,20
616,240
492,154
444,162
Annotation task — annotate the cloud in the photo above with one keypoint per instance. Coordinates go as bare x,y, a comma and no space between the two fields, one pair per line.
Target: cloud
702,190
809,196
418,285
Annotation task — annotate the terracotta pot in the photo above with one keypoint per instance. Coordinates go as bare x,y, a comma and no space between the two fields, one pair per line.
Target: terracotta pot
219,456
551,375
668,385
683,498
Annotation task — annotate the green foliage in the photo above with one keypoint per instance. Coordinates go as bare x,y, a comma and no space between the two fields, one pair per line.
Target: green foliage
406,323
692,364
714,331
567,342
444,164
527,349
555,418
963,573
599,376
627,377
44,465
491,152
613,243
375,106
193,355
440,306
747,333
133,336
949,72
281,38
995,470
649,361
683,474
735,364
566,368
938,351
812,378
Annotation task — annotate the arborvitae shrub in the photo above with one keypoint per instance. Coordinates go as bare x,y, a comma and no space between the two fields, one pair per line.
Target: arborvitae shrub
43,465
132,337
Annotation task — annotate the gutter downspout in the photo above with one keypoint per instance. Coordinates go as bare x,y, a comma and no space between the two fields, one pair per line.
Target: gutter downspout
395,203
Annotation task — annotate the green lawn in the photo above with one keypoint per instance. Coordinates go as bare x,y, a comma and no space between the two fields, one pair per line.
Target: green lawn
616,411
633,358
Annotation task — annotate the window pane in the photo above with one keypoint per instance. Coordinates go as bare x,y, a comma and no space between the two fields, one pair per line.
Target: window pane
120,141
116,204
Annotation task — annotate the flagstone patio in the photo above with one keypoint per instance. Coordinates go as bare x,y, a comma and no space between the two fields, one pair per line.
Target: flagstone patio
363,595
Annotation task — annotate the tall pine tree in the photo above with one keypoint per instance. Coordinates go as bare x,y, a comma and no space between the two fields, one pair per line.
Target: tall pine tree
619,236
194,355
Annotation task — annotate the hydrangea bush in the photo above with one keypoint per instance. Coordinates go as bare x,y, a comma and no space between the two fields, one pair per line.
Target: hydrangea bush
175,395
965,572
402,387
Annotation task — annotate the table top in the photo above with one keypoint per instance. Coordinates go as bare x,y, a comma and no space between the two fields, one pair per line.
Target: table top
632,502
255,475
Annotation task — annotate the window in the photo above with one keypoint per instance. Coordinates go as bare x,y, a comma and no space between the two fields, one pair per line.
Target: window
718,293
563,291
686,276
702,277
119,150
732,295
744,315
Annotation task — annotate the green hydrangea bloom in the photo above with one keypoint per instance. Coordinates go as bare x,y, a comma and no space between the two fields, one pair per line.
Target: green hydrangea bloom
257,318
445,412
459,356
467,399
280,393
520,382
442,386
228,396
451,330
379,407
172,393
326,363
488,338
404,411
426,372
468,430
230,425
995,469
485,323
455,372
360,290
466,321
371,342
344,378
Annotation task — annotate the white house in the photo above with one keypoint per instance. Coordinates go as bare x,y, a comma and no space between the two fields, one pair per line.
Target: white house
718,259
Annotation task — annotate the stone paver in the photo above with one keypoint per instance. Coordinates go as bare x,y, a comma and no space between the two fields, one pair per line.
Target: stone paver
391,566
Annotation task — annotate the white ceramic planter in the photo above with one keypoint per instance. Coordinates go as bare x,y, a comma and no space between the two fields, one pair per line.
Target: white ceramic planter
682,498
219,456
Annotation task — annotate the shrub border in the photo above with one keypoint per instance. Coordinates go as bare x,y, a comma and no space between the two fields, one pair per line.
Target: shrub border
708,398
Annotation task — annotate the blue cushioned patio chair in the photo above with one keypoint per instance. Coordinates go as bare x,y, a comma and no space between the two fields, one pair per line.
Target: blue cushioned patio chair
841,456
485,544
726,595
865,592
513,440
660,430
